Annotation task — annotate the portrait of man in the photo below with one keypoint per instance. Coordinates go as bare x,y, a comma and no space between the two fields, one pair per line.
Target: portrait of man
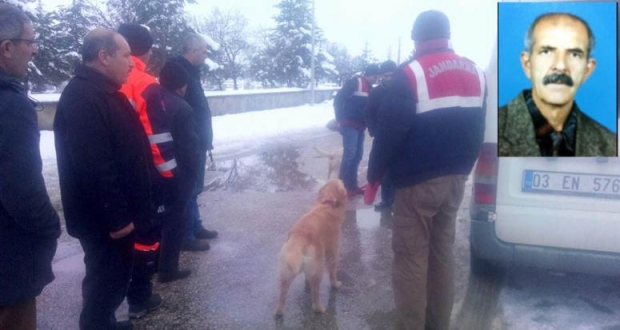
552,114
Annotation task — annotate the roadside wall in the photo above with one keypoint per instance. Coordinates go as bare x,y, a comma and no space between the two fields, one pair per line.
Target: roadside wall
222,103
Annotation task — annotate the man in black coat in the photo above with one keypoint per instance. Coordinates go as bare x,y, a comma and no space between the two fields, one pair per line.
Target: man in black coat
372,116
29,225
169,115
194,54
105,171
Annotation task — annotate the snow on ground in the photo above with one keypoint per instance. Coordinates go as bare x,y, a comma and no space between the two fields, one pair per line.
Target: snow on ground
231,130
53,97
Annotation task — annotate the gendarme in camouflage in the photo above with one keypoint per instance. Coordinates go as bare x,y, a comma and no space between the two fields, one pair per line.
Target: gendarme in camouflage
517,137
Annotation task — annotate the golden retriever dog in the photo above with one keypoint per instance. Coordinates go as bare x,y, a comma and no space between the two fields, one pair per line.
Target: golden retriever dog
333,161
313,244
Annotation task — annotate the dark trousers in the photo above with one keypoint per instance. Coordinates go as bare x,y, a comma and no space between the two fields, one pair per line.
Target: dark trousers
173,228
387,190
353,150
22,316
108,270
140,286
194,223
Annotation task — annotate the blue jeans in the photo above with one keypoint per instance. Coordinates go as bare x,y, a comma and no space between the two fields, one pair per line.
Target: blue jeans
353,150
387,190
194,223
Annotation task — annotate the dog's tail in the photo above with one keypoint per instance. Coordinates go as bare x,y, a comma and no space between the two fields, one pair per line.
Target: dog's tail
322,153
294,256
291,257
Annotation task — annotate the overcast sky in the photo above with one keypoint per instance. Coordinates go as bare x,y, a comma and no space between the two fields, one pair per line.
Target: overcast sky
380,23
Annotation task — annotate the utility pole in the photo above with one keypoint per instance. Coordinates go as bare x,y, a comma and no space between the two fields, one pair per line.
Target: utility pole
312,61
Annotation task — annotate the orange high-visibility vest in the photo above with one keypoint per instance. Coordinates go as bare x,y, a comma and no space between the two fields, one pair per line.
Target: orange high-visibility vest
137,82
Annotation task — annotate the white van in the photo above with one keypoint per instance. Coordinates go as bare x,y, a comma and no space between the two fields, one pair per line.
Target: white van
554,213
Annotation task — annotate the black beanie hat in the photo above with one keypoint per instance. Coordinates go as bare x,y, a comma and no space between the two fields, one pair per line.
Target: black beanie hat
173,76
431,24
388,66
138,37
372,70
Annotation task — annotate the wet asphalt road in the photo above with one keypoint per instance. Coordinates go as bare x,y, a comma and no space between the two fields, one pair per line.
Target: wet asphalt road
253,202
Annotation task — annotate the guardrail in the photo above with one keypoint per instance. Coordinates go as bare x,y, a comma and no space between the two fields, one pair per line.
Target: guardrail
221,103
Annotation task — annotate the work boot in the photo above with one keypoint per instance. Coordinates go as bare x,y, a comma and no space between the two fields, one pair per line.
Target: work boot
179,275
139,310
196,245
204,233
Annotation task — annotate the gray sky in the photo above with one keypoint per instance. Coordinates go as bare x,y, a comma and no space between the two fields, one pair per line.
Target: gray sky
381,23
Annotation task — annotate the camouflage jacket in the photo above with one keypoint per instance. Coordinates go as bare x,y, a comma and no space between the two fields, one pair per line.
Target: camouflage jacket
517,136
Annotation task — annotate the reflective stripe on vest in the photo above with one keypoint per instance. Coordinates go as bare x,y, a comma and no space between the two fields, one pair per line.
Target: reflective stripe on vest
425,103
167,166
160,138
145,248
362,88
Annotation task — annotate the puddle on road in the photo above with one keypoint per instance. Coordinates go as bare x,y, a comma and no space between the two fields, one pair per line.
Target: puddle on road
274,170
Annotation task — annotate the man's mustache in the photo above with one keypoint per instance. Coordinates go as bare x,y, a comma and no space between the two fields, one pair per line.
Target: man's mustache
558,78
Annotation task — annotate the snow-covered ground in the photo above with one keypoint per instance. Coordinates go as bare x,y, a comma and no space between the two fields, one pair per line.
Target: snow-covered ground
232,133
53,97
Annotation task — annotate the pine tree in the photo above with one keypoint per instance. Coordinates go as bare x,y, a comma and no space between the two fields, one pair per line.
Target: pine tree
367,57
57,56
168,26
291,45
343,62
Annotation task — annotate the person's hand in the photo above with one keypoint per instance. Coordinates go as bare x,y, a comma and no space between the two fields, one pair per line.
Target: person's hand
123,232
370,192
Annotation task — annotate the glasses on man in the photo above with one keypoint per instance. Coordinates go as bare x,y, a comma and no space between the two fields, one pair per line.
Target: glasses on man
30,42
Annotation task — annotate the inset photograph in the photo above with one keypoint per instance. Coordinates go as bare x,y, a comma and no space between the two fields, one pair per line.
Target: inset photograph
557,91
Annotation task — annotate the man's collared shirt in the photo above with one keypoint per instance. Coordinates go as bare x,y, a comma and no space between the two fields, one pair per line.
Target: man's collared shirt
553,143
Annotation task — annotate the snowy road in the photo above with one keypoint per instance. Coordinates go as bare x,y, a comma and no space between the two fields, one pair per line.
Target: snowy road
253,223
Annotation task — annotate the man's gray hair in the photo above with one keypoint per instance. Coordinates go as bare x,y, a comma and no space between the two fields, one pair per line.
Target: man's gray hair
96,41
529,36
12,21
191,42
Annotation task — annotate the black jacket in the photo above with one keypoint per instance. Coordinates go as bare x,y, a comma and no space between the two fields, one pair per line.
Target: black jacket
104,161
168,112
29,225
371,112
196,98
350,102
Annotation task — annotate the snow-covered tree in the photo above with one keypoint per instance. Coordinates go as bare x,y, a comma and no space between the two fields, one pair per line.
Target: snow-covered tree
228,29
165,18
343,62
291,45
57,56
262,65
